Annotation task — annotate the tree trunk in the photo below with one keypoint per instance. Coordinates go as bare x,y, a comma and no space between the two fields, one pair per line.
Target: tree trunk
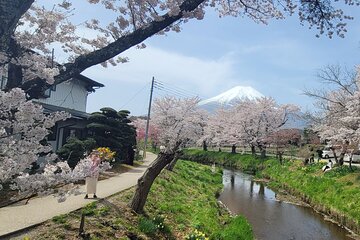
253,151
350,162
343,151
341,159
204,146
233,149
172,164
144,183
10,13
335,157
262,152
15,76
280,154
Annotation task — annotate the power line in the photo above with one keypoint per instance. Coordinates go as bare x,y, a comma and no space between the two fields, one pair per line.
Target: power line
173,90
137,93
176,89
170,92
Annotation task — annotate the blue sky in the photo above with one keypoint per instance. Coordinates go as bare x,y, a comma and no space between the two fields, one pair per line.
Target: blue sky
208,57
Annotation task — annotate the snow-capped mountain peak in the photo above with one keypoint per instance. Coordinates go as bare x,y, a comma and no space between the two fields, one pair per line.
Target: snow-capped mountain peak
233,95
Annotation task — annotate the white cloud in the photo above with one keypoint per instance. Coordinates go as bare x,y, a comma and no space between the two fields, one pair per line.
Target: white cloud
202,76
197,76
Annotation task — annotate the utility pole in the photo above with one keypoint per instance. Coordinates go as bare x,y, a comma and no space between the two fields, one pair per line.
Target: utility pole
148,117
52,58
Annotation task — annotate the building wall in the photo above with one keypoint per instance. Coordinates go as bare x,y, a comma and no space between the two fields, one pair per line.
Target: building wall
69,94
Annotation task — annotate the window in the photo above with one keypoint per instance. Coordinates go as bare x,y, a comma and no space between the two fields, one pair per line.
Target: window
72,133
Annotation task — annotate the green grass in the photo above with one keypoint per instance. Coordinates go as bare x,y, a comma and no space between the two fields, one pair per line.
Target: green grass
246,162
60,219
337,189
147,226
186,197
179,203
237,229
336,192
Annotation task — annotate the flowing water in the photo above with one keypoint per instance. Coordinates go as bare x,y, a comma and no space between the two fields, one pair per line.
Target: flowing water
272,219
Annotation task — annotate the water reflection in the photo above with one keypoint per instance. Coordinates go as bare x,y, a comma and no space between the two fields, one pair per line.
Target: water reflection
271,219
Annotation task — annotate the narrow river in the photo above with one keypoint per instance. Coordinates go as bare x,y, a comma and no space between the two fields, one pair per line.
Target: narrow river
272,219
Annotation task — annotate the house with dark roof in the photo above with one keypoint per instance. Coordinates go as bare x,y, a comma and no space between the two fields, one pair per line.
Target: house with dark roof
70,96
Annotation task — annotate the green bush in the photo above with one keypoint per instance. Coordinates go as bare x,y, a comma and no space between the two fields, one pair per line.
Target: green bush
147,226
89,209
60,219
75,149
102,211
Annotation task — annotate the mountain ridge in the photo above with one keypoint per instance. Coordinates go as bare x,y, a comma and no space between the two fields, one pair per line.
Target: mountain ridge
232,95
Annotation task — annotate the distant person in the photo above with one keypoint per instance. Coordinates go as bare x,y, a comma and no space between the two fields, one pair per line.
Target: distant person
92,178
328,166
162,148
319,153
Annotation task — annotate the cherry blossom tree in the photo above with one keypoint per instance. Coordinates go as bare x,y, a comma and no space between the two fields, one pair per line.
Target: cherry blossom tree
250,122
179,121
153,132
338,102
218,130
256,120
282,139
23,128
30,29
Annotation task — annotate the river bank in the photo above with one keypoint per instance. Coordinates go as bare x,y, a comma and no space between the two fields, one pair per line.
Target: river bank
270,217
335,193
182,204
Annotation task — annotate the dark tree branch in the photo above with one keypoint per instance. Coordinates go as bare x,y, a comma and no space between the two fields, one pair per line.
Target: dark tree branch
122,44
10,13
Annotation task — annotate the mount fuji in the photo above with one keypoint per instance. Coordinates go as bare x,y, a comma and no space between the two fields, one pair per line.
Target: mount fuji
230,97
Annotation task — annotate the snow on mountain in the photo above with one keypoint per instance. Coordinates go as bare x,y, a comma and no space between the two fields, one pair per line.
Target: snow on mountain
238,93
230,97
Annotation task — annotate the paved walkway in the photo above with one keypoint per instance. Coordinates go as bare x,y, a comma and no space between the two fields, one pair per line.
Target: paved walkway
38,210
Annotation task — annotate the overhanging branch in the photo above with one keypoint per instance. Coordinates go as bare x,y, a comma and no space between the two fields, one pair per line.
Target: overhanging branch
122,44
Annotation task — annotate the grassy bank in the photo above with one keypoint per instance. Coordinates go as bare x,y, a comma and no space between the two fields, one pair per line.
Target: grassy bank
335,193
246,162
182,205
